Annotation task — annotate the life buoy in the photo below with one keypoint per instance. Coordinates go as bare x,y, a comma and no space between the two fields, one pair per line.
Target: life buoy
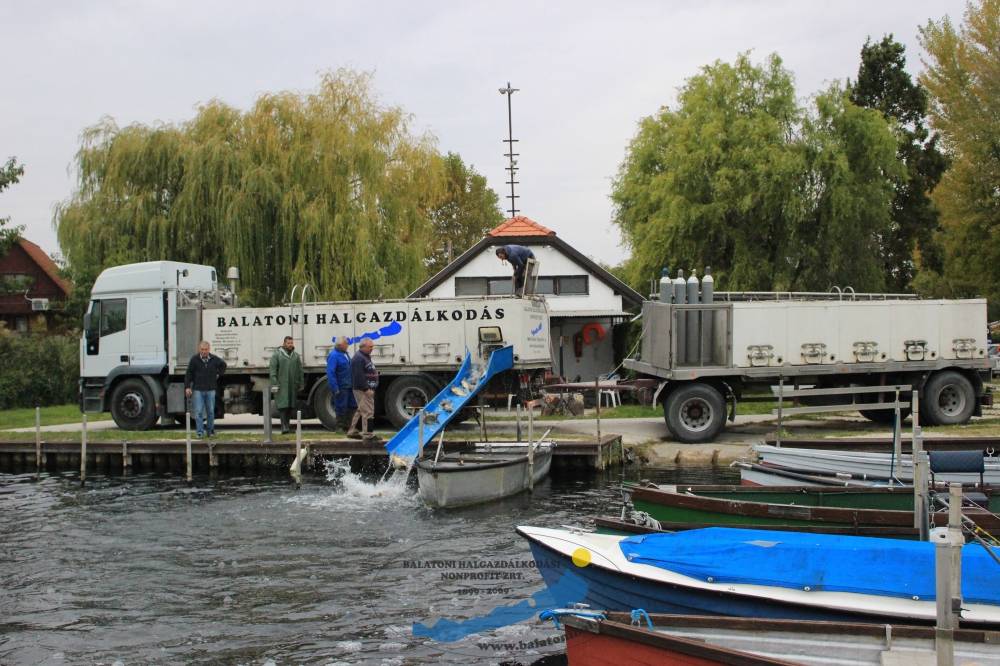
591,331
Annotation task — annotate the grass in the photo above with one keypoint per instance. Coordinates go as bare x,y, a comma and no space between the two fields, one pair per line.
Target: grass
54,415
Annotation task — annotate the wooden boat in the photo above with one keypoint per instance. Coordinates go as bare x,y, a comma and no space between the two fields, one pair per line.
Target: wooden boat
490,472
868,466
760,573
616,639
818,507
754,474
619,526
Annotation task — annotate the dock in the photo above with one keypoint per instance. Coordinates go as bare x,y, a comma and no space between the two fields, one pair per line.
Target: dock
229,455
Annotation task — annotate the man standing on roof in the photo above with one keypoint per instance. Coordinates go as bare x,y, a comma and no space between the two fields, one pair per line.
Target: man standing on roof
518,256
338,378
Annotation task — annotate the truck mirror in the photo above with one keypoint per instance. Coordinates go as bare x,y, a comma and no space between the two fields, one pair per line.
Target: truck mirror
86,323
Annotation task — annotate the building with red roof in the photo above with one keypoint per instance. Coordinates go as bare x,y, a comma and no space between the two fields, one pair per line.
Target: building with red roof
30,284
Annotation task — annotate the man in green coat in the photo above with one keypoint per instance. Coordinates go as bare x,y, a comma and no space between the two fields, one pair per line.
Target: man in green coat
287,379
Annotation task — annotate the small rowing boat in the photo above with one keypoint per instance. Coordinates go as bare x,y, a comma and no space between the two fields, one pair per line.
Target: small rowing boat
490,471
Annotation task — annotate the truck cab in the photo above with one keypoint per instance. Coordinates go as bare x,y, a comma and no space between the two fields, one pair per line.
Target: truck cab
126,340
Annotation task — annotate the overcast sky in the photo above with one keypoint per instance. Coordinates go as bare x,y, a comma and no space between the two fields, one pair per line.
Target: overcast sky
587,72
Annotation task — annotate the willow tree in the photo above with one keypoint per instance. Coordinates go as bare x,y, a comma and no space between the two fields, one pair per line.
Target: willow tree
328,188
772,195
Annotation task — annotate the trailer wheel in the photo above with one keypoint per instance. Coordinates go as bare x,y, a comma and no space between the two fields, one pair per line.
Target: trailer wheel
322,405
132,405
695,413
948,398
405,396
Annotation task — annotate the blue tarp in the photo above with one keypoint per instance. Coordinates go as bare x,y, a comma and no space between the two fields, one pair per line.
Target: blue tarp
867,565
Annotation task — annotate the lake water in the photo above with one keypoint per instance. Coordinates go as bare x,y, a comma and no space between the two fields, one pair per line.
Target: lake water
252,571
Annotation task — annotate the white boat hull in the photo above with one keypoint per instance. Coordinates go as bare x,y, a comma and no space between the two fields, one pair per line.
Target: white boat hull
484,477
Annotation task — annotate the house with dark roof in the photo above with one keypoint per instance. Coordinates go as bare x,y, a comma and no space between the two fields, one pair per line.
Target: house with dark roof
27,274
586,303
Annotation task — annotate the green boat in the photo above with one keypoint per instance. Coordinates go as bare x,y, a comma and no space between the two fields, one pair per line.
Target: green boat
797,506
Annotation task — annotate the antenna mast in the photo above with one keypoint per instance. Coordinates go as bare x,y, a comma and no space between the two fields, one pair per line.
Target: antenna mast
510,154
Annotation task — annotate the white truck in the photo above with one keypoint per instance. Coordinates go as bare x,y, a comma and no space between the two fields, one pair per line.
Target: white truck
707,354
145,321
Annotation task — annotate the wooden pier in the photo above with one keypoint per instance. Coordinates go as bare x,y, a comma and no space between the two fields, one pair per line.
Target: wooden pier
222,455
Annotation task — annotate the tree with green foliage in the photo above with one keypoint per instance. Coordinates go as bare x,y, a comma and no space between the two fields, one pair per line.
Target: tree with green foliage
961,75
328,188
884,84
741,178
467,212
10,173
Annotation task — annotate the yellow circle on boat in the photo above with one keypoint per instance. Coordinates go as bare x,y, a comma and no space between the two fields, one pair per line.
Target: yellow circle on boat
581,557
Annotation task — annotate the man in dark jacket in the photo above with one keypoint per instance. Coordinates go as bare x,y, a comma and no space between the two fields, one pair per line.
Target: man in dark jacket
518,256
200,384
364,381
338,378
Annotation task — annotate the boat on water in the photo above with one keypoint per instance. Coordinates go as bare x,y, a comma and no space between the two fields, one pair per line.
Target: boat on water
867,466
760,573
596,638
487,472
743,506
628,525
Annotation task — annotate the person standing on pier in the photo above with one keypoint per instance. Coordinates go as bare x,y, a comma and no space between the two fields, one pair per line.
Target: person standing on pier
338,378
200,384
364,381
287,379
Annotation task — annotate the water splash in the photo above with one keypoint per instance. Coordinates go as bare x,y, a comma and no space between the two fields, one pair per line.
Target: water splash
355,491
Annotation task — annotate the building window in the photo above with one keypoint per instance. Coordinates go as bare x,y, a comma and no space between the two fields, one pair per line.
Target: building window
21,324
15,283
545,285
474,286
500,287
572,285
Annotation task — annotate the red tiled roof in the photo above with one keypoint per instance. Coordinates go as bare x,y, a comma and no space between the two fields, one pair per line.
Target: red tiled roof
44,262
521,226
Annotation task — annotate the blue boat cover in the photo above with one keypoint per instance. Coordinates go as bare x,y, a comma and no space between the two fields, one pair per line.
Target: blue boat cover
866,565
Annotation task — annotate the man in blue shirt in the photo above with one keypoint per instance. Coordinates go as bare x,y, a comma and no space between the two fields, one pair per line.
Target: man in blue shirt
518,256
338,378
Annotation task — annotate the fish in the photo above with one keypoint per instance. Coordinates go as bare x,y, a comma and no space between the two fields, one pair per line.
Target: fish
458,390
446,405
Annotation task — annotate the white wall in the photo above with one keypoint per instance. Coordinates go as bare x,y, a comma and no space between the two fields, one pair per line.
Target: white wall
552,262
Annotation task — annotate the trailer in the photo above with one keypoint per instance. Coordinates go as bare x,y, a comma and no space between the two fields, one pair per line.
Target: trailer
708,348
145,320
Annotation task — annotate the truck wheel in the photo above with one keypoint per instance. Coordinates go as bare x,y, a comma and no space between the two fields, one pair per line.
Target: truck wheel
132,405
405,396
695,413
322,405
948,398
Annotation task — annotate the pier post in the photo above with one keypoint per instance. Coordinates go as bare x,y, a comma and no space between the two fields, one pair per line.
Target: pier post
531,448
126,458
482,420
297,463
597,393
38,440
187,443
519,422
267,412
420,432
921,476
213,458
83,450
948,542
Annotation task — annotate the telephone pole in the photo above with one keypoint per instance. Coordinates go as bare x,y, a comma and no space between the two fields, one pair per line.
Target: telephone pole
510,154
